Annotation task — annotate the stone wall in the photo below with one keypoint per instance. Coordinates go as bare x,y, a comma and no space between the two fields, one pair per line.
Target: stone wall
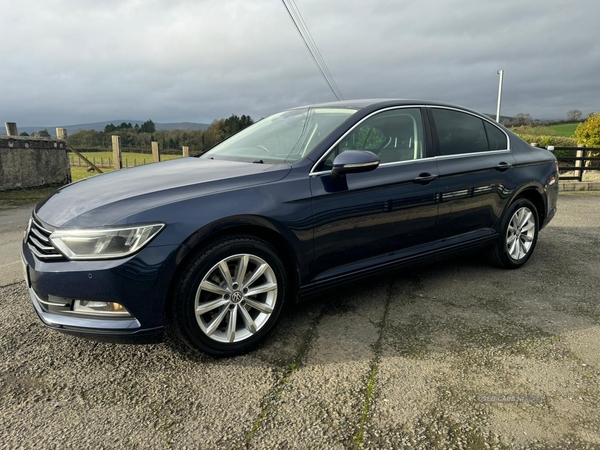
30,162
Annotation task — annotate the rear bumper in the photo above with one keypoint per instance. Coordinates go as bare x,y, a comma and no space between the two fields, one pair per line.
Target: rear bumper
548,218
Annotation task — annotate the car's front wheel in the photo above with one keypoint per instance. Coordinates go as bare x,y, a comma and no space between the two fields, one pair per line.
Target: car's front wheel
518,235
229,296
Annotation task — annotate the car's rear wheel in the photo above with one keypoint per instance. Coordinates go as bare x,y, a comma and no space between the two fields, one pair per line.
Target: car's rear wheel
518,236
229,296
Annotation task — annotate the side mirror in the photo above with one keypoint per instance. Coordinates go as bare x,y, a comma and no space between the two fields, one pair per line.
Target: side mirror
354,161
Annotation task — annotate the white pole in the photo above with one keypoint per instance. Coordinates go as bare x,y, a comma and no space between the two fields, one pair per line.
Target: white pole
501,73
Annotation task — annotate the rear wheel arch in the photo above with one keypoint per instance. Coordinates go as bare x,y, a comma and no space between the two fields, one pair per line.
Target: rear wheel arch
535,195
534,192
517,236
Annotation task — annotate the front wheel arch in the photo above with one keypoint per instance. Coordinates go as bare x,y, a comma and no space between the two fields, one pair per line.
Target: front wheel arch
184,329
252,227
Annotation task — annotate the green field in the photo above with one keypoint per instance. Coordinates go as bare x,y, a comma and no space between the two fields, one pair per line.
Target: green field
564,129
79,173
130,159
102,159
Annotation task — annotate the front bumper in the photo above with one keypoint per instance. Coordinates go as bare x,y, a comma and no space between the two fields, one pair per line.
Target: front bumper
140,283
111,330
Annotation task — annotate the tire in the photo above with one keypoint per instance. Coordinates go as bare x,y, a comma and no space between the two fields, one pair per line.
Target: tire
252,303
517,241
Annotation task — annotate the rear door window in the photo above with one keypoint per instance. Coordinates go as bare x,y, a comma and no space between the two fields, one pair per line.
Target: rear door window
459,132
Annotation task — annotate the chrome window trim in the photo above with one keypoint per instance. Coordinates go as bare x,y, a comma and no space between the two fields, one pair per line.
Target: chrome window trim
332,147
490,121
395,163
390,164
354,165
471,154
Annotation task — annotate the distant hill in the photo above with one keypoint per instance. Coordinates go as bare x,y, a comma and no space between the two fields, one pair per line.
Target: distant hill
180,126
99,126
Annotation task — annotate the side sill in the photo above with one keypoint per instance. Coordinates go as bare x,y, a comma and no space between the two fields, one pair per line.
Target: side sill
422,258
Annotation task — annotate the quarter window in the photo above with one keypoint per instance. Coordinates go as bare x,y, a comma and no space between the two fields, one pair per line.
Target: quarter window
395,135
496,138
459,132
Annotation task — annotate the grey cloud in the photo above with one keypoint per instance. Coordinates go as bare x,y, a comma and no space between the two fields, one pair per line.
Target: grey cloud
82,61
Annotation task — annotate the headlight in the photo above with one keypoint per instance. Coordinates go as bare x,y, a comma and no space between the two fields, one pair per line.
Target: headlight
103,243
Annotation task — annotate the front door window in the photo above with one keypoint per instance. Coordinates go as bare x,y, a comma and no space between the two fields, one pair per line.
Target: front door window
394,136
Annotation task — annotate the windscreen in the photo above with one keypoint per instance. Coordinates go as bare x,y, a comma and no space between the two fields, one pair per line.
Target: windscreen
283,137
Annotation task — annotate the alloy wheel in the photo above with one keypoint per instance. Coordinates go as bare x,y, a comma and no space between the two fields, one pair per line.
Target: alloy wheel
236,298
520,233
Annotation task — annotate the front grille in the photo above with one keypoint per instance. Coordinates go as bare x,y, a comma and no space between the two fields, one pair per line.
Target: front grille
39,243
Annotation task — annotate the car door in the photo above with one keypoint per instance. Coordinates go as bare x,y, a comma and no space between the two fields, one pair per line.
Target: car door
364,219
475,173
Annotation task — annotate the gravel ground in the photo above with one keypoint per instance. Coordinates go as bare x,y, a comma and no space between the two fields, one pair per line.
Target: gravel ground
452,355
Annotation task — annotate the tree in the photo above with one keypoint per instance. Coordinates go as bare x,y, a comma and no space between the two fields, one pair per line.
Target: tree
41,133
24,133
110,128
136,128
148,127
245,121
524,118
574,115
588,132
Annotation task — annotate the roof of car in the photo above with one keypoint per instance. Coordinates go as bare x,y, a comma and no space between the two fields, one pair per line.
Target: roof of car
363,103
375,104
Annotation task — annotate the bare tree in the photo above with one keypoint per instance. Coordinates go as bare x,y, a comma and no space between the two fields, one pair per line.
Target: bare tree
574,115
524,119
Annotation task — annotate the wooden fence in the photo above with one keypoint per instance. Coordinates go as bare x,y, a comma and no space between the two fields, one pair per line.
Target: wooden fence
116,162
102,162
575,159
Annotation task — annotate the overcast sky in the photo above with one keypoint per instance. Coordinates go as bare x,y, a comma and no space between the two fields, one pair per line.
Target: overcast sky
77,61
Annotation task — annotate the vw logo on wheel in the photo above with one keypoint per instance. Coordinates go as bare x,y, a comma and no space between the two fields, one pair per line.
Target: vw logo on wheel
236,297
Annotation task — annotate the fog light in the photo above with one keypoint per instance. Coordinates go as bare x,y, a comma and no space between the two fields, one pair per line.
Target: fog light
100,308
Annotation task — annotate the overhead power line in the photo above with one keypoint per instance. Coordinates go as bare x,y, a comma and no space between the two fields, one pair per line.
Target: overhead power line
311,42
311,46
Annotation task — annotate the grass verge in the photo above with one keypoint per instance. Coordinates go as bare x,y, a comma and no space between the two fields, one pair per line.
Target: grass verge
23,197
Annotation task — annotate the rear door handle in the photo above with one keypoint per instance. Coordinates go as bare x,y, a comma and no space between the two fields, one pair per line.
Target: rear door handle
425,178
503,166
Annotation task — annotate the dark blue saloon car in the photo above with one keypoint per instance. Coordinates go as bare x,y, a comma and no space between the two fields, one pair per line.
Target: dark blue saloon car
215,246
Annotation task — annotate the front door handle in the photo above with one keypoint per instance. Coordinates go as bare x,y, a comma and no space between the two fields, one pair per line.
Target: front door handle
503,166
425,178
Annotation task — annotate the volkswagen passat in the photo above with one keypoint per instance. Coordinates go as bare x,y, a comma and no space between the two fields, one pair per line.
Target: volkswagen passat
215,246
